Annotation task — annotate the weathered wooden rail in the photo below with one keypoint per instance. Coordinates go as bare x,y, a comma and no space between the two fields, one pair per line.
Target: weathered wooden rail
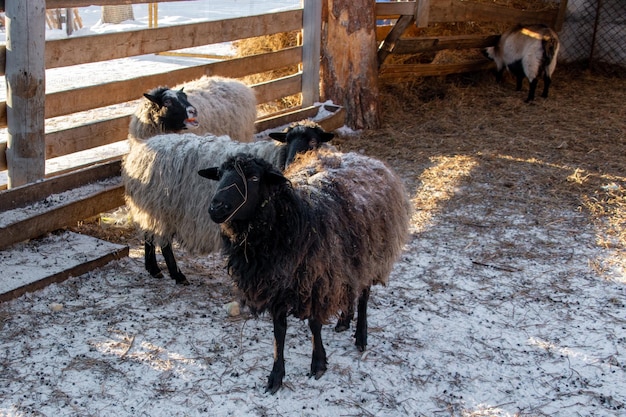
27,113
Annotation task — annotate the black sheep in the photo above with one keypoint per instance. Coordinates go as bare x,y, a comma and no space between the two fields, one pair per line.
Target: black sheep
311,241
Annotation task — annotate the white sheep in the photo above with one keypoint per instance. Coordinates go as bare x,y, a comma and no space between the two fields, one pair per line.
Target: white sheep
209,105
167,199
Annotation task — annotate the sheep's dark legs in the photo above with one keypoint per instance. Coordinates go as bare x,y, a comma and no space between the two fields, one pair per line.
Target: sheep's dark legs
150,259
170,261
361,321
275,380
344,321
318,362
499,75
532,89
546,85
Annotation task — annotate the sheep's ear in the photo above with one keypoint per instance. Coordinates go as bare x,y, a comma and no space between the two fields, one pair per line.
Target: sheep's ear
326,136
275,176
279,136
151,98
210,173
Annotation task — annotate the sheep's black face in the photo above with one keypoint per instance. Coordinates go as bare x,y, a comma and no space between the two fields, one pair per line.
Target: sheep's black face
242,181
175,113
300,139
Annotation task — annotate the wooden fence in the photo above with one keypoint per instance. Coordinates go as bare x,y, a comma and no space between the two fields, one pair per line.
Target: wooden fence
96,48
425,12
27,105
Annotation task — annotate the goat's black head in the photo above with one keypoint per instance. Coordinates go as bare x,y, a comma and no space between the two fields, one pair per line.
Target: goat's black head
244,182
301,138
173,110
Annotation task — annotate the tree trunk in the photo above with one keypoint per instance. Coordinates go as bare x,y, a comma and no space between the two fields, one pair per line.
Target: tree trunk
117,14
349,60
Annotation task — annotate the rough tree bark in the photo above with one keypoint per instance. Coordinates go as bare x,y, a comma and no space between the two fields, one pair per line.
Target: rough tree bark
349,60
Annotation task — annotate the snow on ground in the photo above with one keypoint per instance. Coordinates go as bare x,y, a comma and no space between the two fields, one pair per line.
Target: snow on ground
492,310
465,327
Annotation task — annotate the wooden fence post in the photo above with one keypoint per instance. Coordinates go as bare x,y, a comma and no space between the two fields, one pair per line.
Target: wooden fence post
25,79
311,40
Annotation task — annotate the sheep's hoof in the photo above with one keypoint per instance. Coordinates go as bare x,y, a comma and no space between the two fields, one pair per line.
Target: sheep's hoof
182,281
361,342
342,327
318,367
156,274
274,382
318,374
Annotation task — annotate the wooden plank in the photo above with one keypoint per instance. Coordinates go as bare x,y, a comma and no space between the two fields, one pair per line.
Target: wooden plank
334,120
25,79
87,136
37,191
311,46
422,13
462,11
80,255
560,16
400,71
438,43
389,44
59,4
395,9
95,48
285,118
81,99
3,156
278,88
61,216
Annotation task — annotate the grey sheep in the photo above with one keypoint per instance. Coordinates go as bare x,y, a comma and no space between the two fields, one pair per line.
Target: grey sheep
167,199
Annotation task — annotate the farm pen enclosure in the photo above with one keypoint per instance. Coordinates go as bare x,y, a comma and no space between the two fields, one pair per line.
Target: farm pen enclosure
424,35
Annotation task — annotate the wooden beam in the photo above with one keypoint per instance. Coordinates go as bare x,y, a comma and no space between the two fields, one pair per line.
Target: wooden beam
389,44
279,88
96,48
403,71
436,43
37,191
25,79
422,13
283,118
59,4
61,216
461,11
74,263
81,99
87,136
560,17
311,45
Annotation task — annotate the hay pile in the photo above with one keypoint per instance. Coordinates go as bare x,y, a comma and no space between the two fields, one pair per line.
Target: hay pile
265,44
566,151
